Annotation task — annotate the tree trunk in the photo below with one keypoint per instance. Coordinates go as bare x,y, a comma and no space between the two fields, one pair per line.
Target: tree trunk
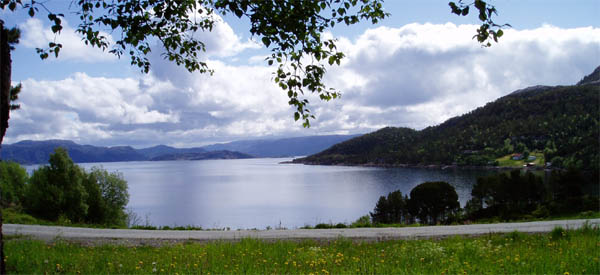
5,74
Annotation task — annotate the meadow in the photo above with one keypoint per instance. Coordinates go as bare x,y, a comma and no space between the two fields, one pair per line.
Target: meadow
559,252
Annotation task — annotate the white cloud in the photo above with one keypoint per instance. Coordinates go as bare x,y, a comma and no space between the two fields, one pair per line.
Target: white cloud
422,74
414,76
36,35
222,41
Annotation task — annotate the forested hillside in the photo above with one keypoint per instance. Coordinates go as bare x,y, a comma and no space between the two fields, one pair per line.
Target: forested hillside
561,122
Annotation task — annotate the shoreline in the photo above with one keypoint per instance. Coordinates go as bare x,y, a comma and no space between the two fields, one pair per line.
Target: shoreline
430,166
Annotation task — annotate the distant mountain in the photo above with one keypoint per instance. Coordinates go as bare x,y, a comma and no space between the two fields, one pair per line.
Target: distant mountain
224,154
160,150
285,147
562,122
32,152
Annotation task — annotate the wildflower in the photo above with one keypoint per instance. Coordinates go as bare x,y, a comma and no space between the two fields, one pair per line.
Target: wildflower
422,259
566,273
154,269
46,261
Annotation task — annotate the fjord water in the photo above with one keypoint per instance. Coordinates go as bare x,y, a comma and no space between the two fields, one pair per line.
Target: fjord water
256,193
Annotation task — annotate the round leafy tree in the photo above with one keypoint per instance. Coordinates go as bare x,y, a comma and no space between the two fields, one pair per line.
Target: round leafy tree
433,202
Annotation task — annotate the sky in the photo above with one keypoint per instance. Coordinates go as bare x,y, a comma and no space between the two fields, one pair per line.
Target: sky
416,69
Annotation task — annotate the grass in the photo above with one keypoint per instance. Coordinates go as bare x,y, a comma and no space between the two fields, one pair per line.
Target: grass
559,252
507,161
12,215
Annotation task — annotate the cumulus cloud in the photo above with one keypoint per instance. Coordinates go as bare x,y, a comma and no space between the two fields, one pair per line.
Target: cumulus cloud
414,76
222,41
36,35
422,74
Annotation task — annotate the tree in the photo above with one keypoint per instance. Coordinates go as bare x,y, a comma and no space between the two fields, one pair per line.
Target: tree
12,183
391,209
507,195
107,197
433,202
57,189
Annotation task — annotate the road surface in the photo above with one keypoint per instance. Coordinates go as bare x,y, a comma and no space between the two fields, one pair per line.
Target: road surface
153,237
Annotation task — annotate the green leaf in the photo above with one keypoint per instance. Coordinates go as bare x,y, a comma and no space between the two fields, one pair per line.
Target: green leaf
465,11
296,116
239,13
266,41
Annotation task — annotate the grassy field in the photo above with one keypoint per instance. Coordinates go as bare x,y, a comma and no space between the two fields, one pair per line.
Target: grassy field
560,252
507,161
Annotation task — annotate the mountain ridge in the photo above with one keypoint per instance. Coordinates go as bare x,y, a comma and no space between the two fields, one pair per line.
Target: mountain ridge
560,121
38,152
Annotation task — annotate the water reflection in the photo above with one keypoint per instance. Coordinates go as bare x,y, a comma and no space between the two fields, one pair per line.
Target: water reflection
256,193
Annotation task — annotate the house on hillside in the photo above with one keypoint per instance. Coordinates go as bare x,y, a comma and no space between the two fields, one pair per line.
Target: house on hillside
516,156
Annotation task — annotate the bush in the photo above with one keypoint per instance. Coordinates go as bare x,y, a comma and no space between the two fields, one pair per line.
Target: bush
340,225
323,226
364,221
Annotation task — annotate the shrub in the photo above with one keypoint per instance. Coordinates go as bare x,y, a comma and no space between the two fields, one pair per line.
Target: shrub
322,226
363,221
340,225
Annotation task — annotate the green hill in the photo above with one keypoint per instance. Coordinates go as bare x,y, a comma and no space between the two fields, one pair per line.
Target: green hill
559,122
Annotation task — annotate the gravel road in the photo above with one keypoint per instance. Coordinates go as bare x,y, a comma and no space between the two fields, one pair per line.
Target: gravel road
156,237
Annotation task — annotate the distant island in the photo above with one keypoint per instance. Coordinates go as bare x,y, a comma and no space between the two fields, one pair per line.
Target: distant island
37,152
222,154
540,126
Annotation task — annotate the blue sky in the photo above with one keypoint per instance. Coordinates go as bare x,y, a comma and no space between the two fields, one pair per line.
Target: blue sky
415,69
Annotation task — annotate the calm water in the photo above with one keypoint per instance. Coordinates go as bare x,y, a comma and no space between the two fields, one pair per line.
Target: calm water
256,193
